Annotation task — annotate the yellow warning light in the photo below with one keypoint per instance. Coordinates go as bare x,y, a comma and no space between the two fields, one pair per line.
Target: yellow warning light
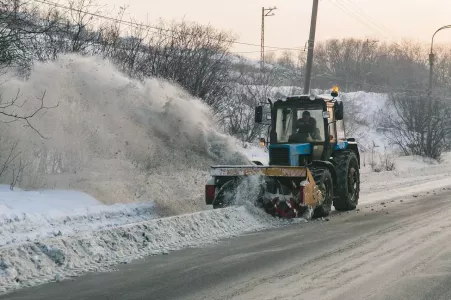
334,91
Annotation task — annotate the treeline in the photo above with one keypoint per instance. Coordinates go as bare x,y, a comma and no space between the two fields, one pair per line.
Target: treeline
198,57
371,65
413,121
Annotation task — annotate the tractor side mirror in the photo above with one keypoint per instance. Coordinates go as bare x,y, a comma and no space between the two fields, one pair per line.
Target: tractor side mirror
339,111
259,114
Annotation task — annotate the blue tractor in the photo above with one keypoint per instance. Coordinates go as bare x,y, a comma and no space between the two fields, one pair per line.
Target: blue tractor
312,164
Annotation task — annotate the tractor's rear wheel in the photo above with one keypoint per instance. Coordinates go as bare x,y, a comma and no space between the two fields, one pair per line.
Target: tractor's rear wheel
348,181
323,180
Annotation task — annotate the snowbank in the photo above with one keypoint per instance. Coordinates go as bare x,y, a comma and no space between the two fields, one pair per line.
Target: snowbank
412,175
54,259
17,201
27,216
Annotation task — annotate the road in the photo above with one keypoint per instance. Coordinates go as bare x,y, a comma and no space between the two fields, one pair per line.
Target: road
395,250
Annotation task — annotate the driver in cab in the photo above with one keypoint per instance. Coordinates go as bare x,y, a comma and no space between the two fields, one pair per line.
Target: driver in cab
306,130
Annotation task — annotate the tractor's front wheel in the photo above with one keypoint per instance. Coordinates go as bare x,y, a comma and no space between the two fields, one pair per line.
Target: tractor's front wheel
323,180
348,181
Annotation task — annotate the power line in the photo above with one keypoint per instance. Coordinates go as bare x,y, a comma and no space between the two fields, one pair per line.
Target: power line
266,51
366,24
266,12
368,17
381,26
140,25
346,9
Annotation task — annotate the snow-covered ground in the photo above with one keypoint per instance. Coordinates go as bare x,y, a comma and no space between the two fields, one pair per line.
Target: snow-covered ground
52,235
27,216
123,157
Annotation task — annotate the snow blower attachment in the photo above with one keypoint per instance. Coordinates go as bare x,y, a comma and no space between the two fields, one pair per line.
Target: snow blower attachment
282,191
312,165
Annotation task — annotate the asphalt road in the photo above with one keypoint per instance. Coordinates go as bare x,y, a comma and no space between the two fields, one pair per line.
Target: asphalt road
397,250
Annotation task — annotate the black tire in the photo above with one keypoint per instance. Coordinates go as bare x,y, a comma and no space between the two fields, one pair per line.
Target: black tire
323,180
348,181
226,195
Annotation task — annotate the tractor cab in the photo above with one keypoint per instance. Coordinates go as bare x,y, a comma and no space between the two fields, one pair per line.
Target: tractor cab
304,128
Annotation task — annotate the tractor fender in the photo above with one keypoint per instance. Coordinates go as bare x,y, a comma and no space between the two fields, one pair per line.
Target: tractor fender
351,146
354,148
326,164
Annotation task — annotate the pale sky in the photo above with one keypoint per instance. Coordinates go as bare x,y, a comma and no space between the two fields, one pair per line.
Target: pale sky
383,19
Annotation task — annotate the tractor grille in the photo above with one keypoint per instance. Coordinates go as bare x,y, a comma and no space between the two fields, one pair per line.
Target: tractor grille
279,156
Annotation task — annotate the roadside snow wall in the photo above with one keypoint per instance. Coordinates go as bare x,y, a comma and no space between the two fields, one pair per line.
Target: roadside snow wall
55,259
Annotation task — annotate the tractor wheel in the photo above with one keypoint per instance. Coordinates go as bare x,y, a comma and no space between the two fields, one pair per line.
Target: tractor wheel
323,180
226,195
348,181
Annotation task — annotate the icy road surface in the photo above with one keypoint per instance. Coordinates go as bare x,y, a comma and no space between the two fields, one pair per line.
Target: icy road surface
394,250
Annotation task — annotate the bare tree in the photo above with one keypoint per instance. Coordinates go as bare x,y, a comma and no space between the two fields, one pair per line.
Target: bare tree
9,159
419,125
17,174
80,27
250,90
20,26
9,115
192,55
370,65
355,117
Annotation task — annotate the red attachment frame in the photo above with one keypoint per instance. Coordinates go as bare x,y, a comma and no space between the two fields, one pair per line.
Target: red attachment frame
209,194
301,199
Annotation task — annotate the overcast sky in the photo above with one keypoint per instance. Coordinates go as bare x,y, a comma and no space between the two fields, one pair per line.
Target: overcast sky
382,19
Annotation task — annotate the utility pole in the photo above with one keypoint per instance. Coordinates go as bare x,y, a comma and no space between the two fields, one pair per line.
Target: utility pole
431,58
430,94
266,12
431,66
311,45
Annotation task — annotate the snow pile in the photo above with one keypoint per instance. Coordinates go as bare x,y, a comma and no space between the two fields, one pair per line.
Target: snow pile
114,138
412,175
365,110
27,216
50,202
55,259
